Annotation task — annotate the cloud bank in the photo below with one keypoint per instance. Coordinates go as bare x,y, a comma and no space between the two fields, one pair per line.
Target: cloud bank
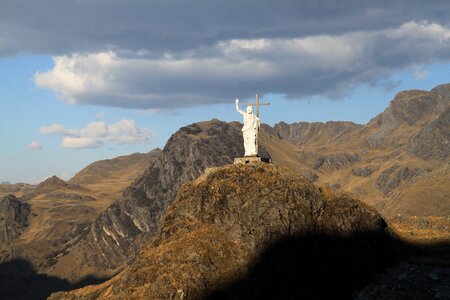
295,67
96,134
55,27
170,54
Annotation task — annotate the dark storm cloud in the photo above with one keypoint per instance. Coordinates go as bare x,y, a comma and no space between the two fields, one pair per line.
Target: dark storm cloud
61,26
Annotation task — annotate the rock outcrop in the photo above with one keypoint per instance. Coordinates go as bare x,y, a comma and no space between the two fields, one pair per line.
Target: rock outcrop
315,133
433,140
254,231
13,221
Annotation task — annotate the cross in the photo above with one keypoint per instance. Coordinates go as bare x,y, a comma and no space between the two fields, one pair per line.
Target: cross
257,104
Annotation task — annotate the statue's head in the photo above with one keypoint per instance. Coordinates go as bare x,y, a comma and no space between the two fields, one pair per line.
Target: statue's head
249,110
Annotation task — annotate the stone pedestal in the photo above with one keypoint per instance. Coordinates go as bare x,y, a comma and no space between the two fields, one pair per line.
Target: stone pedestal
250,160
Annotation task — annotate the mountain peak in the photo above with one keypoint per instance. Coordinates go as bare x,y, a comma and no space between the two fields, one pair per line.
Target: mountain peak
442,90
417,106
53,182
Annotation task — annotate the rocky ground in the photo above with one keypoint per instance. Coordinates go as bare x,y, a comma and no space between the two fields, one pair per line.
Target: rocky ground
409,281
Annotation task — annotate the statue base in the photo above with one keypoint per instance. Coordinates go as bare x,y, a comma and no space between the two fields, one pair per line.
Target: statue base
251,160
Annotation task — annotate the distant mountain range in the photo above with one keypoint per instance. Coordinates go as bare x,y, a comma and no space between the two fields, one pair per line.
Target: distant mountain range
387,162
61,212
107,213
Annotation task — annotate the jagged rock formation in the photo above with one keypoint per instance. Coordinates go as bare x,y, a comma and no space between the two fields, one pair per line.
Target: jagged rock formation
393,176
433,140
13,218
13,221
333,161
315,133
258,221
118,233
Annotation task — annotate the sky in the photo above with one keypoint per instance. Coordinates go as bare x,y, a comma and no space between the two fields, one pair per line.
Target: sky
86,80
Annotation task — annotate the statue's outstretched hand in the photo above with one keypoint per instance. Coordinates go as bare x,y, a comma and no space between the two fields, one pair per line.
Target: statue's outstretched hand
237,101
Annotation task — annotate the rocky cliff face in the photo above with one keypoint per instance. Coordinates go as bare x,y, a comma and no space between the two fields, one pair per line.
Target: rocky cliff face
118,233
315,133
433,140
13,221
251,231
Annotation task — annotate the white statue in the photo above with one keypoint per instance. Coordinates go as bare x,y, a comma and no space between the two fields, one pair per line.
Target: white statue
250,130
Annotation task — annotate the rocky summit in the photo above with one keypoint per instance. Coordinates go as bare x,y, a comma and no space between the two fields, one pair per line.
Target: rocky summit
254,231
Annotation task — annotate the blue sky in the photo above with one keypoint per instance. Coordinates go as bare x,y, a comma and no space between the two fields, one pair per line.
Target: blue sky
82,99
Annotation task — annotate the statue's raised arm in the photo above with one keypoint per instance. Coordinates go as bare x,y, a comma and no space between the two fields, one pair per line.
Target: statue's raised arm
237,107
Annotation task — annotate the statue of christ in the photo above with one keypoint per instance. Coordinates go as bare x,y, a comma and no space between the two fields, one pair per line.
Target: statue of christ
250,130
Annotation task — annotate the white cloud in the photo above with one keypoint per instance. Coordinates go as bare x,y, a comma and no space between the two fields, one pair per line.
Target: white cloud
126,132
296,67
95,130
80,142
96,134
55,129
34,145
420,74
